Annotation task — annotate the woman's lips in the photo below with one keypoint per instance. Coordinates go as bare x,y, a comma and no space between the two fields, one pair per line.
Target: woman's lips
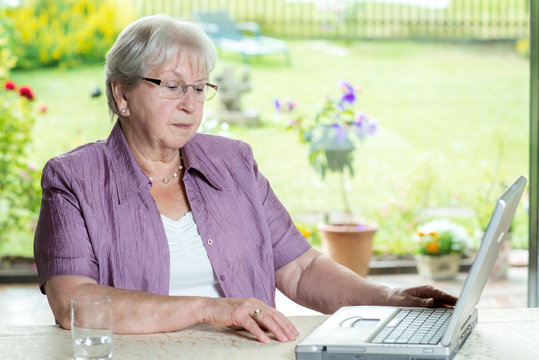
182,126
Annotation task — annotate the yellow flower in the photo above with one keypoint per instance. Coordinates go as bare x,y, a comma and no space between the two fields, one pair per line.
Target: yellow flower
523,46
432,247
304,231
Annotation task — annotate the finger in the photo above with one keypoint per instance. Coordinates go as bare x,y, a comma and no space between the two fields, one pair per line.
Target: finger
266,320
447,298
419,302
430,297
443,304
440,297
251,325
437,295
282,323
285,324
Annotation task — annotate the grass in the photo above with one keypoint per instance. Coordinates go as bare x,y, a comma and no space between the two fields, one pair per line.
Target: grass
450,114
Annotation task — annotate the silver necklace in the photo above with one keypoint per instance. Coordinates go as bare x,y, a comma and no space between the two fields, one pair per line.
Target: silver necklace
166,180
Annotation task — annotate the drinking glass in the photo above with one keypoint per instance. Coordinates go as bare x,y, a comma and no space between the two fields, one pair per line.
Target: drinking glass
91,327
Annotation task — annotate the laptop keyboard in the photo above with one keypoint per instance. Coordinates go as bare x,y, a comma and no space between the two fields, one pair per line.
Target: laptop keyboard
415,326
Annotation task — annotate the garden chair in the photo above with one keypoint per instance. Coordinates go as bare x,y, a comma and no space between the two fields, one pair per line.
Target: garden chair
244,38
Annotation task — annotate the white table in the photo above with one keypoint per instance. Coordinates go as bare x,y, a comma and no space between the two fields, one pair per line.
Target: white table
500,334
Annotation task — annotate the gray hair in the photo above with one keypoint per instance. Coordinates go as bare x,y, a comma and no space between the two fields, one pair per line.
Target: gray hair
150,42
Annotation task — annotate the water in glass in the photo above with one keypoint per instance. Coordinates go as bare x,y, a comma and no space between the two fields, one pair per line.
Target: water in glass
92,345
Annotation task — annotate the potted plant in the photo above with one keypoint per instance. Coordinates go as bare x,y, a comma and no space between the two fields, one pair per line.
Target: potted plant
440,246
334,134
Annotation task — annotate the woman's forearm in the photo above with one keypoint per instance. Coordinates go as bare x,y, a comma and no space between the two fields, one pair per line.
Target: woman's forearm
319,283
326,286
134,312
138,312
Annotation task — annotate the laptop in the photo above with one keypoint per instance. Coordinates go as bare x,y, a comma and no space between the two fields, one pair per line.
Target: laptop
384,332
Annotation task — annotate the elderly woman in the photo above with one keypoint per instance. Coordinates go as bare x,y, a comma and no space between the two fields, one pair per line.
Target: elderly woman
180,228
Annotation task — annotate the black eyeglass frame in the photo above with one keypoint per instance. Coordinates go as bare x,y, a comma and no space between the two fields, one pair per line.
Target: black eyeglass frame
184,87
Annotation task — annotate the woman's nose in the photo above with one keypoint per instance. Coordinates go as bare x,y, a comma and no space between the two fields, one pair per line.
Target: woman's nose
187,102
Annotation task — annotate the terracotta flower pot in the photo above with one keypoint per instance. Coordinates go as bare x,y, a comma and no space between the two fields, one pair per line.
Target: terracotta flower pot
349,245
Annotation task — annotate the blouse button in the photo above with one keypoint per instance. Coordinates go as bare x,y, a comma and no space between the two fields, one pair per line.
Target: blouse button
222,277
210,242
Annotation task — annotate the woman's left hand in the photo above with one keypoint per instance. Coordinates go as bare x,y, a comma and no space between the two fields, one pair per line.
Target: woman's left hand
421,296
250,314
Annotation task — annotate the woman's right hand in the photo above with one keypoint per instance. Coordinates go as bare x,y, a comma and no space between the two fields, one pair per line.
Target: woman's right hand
240,314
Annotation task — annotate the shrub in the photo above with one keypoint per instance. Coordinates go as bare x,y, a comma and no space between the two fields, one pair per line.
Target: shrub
19,179
66,32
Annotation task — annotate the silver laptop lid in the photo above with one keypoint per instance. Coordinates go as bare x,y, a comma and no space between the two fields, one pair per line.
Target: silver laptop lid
484,261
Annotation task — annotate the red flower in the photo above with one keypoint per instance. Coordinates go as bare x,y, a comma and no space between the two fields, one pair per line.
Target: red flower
10,85
26,92
43,108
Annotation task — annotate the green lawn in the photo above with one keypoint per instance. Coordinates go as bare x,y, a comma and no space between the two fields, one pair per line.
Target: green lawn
445,111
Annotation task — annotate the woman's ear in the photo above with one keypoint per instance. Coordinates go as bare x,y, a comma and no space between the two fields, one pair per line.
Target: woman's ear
120,96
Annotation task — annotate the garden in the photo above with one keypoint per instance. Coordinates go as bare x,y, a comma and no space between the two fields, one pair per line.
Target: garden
451,123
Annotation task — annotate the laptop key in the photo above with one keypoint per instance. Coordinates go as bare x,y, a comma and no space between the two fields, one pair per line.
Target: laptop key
416,326
402,341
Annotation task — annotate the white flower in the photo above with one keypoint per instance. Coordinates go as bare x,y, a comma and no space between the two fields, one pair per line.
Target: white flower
459,234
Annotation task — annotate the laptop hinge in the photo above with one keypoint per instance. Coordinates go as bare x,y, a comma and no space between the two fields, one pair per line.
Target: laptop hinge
465,331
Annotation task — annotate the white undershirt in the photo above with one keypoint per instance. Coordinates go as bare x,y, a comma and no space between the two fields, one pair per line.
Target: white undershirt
191,273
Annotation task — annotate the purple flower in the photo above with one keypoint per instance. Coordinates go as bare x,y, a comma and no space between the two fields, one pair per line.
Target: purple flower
277,105
365,126
283,106
349,93
361,118
372,127
361,123
340,132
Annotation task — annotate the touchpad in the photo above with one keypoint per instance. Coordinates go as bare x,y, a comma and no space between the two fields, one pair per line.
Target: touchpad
359,321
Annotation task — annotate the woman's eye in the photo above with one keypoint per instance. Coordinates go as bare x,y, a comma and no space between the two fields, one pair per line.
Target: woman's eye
199,89
171,86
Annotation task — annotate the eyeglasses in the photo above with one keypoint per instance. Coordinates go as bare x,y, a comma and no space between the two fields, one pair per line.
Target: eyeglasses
176,89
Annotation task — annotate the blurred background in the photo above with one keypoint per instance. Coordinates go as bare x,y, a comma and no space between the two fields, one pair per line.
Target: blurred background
446,81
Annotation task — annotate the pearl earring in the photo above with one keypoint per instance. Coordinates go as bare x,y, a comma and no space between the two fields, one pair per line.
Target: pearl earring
123,110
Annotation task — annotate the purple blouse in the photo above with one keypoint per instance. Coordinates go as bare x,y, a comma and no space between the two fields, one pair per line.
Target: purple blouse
99,220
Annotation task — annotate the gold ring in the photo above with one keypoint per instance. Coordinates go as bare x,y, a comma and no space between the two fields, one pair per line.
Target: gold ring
256,313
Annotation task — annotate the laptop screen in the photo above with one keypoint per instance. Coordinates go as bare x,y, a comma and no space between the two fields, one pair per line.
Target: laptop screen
484,261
